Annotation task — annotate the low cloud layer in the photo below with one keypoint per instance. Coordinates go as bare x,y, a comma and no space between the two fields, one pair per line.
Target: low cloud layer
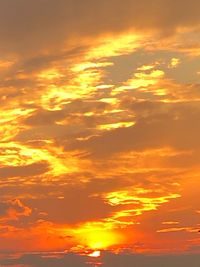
108,260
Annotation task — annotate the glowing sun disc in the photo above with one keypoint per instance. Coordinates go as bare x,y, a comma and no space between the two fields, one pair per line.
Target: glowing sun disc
95,254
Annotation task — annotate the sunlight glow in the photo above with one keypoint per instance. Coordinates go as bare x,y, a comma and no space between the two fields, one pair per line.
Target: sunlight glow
95,254
97,236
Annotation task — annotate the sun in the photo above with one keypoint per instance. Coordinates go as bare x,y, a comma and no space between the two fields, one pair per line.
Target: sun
95,254
101,239
97,237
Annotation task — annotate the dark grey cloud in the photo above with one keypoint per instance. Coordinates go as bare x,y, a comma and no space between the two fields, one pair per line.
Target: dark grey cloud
73,111
130,260
164,127
39,25
108,260
40,260
73,209
24,171
53,131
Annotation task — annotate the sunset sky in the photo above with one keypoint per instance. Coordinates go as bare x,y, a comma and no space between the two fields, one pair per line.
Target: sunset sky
99,132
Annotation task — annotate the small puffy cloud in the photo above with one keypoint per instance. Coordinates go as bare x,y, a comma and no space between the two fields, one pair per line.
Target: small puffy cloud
12,210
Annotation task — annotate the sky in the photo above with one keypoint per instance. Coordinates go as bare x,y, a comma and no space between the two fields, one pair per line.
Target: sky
99,133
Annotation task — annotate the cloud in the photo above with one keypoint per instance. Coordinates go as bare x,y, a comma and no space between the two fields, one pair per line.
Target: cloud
151,261
97,132
172,128
108,259
13,209
40,260
85,208
24,171
51,24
